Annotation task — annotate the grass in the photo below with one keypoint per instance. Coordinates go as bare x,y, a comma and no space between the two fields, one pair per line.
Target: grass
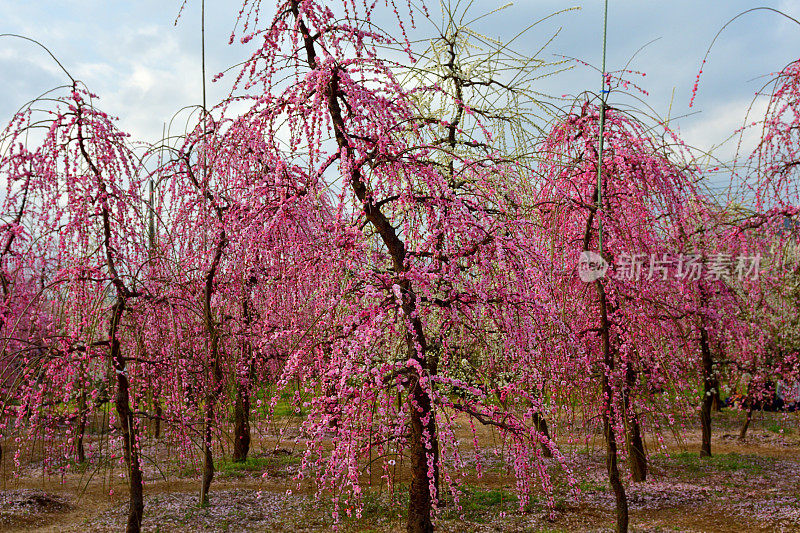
257,464
228,468
377,506
775,427
476,503
727,462
592,486
285,407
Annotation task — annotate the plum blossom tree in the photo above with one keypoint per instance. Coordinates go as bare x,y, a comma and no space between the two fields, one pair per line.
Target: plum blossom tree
423,197
771,192
82,189
625,317
249,214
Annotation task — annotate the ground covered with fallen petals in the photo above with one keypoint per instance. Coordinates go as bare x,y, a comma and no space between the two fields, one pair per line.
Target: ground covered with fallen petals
751,485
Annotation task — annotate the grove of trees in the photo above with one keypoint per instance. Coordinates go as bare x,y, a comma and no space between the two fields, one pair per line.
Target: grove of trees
385,235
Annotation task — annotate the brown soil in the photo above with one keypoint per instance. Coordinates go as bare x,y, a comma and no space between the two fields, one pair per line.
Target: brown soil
747,486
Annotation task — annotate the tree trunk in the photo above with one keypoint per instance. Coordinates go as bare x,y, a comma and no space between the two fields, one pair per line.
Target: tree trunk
424,449
208,421
241,406
159,414
608,416
241,424
420,503
540,423
709,385
215,379
208,452
637,458
746,424
636,453
125,416
613,469
80,429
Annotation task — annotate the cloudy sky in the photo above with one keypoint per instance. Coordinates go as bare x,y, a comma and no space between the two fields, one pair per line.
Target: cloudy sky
145,68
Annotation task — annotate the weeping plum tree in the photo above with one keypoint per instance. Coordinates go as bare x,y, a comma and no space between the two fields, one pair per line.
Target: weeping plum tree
254,226
768,197
82,186
18,285
424,200
740,312
624,316
720,292
771,225
212,229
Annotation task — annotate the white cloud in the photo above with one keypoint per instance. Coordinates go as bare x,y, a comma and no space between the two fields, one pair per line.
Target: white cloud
718,129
